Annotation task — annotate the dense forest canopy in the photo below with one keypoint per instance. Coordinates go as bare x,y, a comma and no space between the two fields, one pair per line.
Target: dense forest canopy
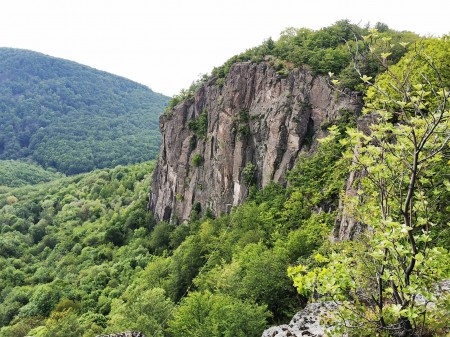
80,256
73,118
15,173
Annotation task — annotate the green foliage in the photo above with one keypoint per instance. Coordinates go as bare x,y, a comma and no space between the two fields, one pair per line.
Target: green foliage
327,50
73,118
398,259
90,230
256,273
185,94
418,66
197,160
14,173
199,125
206,314
241,122
146,312
160,238
249,174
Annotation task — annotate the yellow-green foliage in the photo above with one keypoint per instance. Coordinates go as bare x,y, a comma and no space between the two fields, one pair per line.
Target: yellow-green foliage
425,67
402,200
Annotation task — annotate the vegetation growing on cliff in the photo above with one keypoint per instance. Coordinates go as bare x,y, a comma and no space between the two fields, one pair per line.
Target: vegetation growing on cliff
199,125
81,256
327,50
73,118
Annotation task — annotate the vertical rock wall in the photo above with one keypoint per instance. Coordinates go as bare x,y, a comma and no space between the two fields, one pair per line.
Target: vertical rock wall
258,122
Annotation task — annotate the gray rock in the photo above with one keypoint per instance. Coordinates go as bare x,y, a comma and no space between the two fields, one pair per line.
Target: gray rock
256,117
311,320
308,322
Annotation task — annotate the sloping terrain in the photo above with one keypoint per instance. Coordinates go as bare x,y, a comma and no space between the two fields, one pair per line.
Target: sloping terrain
81,256
15,173
73,118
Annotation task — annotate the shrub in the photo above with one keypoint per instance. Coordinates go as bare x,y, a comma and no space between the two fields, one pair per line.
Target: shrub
197,160
206,314
249,174
199,125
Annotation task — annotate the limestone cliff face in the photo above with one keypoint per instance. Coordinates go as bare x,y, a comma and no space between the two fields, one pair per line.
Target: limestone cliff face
257,124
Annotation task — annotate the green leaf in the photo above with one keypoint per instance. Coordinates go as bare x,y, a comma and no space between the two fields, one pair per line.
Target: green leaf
366,78
335,82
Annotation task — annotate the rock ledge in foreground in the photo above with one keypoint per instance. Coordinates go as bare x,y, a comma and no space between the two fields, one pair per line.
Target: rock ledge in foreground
306,322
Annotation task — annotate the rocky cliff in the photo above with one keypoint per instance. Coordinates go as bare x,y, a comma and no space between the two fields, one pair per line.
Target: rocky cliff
249,129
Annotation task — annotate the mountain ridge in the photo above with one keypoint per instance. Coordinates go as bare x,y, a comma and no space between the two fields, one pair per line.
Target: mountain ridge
72,117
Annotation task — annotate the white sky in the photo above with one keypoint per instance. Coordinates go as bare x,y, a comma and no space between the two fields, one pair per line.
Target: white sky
166,44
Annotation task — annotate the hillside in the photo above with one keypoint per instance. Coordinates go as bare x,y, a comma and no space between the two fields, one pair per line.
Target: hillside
73,118
63,241
15,173
311,164
80,256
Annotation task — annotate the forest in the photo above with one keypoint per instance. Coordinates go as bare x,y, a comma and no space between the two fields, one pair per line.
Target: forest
15,173
72,118
81,256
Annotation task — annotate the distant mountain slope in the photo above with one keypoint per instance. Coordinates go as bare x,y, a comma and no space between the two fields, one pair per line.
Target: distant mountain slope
72,117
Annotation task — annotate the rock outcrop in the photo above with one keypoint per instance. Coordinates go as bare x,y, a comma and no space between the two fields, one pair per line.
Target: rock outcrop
257,124
319,317
308,322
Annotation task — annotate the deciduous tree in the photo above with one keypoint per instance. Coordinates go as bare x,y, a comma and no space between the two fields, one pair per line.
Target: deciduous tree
386,279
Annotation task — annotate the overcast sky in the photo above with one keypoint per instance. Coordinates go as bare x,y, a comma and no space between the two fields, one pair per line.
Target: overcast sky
166,44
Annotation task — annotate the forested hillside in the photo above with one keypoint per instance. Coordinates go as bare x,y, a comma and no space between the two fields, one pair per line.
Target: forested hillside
73,118
64,241
81,256
15,173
